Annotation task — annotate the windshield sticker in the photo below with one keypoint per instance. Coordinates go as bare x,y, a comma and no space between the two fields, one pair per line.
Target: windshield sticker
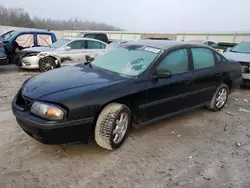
137,61
135,65
154,50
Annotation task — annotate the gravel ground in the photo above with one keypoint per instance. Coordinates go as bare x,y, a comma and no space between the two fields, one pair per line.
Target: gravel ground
198,149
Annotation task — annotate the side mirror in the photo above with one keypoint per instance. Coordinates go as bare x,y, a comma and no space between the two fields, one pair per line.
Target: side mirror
66,48
162,74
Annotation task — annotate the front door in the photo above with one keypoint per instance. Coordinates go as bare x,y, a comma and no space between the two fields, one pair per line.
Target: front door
170,95
74,54
24,40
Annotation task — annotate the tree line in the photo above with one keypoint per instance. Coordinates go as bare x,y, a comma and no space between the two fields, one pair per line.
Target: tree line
18,17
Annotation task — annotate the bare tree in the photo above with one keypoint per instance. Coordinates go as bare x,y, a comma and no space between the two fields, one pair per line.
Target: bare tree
20,18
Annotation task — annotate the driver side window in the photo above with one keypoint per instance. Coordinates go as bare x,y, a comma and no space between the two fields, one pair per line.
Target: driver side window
25,40
76,45
175,62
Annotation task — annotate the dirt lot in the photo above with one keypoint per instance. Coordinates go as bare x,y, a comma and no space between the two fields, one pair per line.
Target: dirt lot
193,150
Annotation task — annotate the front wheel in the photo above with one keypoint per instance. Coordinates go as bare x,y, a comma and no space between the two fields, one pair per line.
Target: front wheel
46,64
112,126
220,98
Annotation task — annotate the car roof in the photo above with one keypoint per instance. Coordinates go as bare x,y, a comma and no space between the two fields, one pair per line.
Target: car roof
93,33
82,38
32,30
162,44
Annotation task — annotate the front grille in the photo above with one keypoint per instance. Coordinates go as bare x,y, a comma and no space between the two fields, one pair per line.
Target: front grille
23,102
245,66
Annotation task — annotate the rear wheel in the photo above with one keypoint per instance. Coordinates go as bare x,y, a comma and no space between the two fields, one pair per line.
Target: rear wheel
46,64
112,126
220,98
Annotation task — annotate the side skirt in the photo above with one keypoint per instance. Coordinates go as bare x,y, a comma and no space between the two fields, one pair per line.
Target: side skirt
168,116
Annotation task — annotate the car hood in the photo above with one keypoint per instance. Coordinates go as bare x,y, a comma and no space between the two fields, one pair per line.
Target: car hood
237,56
66,78
37,49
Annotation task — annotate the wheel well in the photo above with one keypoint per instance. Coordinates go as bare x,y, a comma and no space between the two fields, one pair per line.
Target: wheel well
58,65
229,83
124,100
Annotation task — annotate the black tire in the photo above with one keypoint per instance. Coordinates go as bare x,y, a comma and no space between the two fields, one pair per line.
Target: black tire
213,104
107,123
47,64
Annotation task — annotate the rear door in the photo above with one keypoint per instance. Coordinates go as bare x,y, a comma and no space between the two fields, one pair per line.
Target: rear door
206,74
170,95
43,39
93,49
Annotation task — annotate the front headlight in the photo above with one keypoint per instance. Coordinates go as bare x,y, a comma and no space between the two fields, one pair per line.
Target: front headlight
42,55
47,111
31,54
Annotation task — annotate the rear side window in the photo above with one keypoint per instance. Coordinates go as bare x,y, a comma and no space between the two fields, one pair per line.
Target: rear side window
176,62
202,58
95,45
44,40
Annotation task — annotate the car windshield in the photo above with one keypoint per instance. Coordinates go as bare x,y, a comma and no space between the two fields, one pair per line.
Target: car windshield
59,43
7,35
243,47
130,61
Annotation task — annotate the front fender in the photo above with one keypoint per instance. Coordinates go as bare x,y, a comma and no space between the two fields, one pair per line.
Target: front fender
56,58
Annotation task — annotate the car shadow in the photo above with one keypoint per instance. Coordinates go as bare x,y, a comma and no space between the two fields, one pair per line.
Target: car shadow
92,150
5,69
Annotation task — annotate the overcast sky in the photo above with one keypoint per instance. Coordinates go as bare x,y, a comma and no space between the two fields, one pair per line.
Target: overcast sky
166,16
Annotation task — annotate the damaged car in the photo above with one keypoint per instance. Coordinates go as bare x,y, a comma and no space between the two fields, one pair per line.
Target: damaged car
135,84
63,52
12,42
241,53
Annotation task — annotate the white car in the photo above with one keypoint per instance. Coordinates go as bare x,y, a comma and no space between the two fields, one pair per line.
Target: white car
63,52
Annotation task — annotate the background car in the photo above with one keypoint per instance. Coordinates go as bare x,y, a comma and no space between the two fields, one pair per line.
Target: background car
63,52
95,35
115,43
221,47
241,53
205,42
134,84
15,40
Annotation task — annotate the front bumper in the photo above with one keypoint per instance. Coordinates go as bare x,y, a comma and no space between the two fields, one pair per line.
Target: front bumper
30,62
245,67
3,60
246,76
51,132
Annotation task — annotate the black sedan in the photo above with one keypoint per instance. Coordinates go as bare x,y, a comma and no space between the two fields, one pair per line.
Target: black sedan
135,84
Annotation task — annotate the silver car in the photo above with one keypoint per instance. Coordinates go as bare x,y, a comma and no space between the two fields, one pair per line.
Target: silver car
241,53
66,51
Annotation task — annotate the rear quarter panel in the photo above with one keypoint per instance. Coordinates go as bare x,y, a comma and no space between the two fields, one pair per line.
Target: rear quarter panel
231,71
